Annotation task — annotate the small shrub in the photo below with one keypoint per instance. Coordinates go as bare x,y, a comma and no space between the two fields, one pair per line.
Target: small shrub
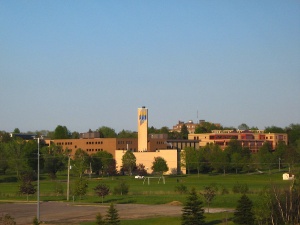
99,219
224,191
181,189
240,188
35,221
121,189
7,220
59,190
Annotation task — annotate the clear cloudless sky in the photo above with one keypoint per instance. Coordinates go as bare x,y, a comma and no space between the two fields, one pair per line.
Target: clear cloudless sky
87,64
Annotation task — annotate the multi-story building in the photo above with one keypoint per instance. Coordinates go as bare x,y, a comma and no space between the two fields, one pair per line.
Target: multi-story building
145,147
191,126
252,139
94,145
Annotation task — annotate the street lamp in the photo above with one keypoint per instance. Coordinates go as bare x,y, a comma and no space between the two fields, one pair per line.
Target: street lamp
38,181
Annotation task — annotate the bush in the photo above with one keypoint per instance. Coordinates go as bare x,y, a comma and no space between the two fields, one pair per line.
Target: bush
121,189
7,220
59,189
181,189
240,188
224,190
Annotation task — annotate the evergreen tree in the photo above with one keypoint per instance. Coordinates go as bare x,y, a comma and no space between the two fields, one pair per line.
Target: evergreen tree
193,212
112,216
184,132
243,214
99,219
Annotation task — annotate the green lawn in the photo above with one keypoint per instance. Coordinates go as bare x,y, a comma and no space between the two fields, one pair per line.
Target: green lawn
211,219
147,194
155,193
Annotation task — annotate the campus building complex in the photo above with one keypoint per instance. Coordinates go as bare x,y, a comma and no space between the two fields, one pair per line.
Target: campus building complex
146,147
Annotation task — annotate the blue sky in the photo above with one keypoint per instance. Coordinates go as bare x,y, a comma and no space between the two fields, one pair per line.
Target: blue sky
87,64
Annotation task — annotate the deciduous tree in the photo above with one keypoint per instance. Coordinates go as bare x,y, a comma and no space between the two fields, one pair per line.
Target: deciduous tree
129,161
26,186
4,156
209,194
61,132
81,162
107,132
17,156
81,186
102,190
159,165
54,160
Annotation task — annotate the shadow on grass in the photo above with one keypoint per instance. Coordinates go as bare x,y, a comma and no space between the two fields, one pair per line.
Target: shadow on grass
9,179
219,221
213,222
117,200
122,200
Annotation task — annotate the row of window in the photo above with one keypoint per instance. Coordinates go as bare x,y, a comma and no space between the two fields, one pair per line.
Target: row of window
96,142
215,137
64,143
133,150
244,143
124,142
94,150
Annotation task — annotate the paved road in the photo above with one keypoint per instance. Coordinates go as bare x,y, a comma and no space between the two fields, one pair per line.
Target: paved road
68,213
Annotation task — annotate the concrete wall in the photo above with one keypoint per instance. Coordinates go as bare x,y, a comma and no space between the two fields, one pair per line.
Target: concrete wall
147,158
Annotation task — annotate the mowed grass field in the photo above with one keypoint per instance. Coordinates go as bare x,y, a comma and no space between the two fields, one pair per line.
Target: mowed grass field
142,193
210,219
154,193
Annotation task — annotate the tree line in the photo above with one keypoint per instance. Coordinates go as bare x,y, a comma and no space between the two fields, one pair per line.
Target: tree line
236,158
62,132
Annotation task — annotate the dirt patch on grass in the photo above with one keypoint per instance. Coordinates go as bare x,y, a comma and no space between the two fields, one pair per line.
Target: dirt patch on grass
69,213
176,203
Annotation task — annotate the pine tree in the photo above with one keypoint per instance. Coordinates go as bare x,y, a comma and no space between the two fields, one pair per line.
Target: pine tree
243,214
112,216
99,219
193,212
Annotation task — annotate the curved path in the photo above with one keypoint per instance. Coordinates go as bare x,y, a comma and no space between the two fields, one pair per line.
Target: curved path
69,213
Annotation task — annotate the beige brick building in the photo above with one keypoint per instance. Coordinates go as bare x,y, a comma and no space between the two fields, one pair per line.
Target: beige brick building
252,139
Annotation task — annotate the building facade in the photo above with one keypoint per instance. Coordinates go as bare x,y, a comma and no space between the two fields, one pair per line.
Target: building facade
191,126
252,139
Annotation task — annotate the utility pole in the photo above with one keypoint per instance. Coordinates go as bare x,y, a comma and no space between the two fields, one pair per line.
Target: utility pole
38,180
68,182
279,164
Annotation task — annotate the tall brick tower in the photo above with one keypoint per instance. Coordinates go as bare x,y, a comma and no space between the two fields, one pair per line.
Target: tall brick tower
142,129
